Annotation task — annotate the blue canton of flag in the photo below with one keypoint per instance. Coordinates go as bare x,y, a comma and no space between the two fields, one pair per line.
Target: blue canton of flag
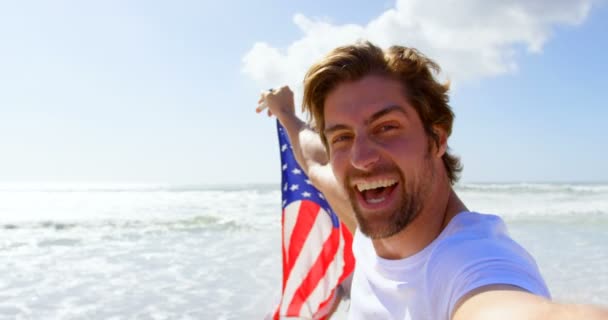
296,185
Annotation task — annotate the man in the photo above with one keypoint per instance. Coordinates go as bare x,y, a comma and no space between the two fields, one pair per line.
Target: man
379,149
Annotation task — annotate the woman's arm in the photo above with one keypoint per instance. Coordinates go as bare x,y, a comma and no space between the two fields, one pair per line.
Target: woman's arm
309,151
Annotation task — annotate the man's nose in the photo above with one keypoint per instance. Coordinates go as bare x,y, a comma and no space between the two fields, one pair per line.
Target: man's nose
364,153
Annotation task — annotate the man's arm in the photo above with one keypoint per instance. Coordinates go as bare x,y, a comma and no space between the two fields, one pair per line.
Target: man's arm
508,302
309,151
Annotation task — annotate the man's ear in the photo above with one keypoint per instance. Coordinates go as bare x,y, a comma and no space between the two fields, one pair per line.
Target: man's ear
441,144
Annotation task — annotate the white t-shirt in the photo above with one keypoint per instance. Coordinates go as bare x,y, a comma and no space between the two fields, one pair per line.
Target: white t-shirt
472,251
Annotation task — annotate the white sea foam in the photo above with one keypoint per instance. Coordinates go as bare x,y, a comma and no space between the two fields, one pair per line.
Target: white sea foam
200,252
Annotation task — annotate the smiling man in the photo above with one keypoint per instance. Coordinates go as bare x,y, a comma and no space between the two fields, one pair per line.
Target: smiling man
378,146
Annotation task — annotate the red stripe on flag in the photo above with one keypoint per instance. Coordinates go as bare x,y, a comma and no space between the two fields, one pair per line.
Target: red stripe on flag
325,303
275,316
305,221
349,266
277,312
316,273
347,254
283,254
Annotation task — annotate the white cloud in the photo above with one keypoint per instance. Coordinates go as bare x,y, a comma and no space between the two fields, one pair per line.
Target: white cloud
470,39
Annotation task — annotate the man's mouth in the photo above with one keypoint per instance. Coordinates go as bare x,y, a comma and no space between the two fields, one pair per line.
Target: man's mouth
375,192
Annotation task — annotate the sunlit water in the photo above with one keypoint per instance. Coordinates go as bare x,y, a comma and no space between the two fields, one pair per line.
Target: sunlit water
158,252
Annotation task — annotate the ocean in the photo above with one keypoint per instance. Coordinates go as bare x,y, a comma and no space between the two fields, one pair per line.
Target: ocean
213,252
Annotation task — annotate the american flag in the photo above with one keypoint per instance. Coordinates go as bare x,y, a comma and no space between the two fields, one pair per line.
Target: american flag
317,254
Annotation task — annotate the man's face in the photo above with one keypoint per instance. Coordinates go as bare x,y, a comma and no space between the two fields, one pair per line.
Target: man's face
379,152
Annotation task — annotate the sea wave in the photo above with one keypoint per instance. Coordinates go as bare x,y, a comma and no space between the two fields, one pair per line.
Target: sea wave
270,187
135,187
255,207
193,223
249,207
534,187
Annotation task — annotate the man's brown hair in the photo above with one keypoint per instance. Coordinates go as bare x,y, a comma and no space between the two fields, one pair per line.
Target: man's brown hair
406,65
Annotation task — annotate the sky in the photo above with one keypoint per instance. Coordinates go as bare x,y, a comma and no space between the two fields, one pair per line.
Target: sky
165,91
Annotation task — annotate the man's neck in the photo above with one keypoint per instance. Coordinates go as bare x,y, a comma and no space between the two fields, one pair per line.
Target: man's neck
440,207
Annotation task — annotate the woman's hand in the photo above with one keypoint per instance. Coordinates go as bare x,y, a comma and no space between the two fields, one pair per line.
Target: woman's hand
279,102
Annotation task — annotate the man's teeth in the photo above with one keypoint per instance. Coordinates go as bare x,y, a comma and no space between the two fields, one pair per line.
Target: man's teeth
375,184
374,201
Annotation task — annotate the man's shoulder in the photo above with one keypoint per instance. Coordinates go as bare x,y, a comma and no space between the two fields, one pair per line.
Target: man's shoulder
475,251
471,228
472,236
474,224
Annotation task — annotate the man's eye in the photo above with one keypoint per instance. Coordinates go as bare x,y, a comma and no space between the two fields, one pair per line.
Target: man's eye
340,138
386,127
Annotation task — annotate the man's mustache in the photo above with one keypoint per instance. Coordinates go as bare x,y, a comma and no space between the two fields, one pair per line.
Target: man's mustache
366,174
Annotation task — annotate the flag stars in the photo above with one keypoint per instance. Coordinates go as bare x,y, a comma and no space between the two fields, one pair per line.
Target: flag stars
285,187
284,167
283,148
321,195
296,171
306,194
294,187
308,181
284,203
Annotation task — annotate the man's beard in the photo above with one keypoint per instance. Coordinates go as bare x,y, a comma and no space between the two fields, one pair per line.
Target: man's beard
413,192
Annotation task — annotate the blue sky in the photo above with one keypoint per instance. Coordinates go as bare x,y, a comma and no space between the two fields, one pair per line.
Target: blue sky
165,92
